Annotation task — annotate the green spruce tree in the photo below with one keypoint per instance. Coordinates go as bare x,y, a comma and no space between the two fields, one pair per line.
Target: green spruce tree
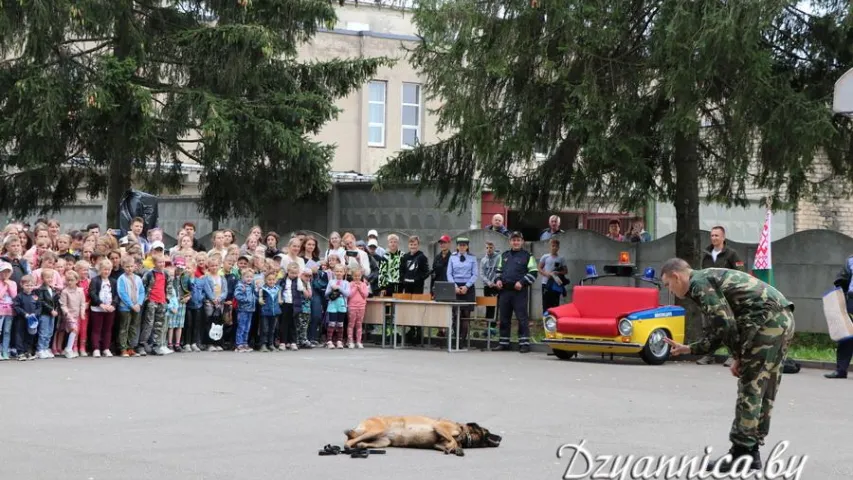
98,95
629,101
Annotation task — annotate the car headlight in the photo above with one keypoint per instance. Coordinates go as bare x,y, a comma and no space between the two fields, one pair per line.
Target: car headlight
550,324
625,327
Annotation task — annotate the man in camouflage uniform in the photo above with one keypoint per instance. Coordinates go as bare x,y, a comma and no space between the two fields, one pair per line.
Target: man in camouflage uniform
756,322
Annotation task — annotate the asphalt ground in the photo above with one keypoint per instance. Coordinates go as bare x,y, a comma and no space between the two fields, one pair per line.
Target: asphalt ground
225,415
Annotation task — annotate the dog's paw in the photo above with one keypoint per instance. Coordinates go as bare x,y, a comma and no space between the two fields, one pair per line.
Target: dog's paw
459,452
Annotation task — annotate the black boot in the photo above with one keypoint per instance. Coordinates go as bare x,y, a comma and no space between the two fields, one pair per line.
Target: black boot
736,453
836,374
756,458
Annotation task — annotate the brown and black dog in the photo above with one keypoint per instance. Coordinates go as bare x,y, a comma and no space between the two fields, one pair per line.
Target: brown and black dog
420,432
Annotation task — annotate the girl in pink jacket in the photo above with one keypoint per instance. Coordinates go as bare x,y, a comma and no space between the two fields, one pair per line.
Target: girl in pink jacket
8,292
356,306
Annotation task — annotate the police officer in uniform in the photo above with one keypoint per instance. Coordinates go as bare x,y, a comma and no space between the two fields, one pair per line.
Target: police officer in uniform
516,270
756,322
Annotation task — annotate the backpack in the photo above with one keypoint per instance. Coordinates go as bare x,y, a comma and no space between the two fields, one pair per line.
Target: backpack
790,366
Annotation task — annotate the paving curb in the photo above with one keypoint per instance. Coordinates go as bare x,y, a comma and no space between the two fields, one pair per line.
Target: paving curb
542,348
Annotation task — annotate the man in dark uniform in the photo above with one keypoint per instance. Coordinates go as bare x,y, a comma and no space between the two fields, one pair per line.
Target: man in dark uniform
517,270
756,322
844,351
718,255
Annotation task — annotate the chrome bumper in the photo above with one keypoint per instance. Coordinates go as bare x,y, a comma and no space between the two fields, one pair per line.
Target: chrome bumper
599,343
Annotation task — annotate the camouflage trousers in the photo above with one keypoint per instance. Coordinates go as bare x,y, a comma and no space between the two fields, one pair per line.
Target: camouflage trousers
760,376
302,328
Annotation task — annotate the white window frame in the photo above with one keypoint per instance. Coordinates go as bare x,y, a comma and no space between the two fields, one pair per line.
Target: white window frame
384,104
403,105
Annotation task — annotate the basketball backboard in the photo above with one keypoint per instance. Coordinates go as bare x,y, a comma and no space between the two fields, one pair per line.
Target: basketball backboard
842,99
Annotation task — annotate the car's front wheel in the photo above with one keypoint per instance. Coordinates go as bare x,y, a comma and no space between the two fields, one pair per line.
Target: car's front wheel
563,354
656,351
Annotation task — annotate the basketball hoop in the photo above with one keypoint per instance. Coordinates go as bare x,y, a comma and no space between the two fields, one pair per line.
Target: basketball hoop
842,98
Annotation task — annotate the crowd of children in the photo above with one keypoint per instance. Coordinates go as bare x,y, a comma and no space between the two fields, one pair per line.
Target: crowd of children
86,292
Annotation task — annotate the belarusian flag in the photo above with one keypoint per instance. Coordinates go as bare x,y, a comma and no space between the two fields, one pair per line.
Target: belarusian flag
763,266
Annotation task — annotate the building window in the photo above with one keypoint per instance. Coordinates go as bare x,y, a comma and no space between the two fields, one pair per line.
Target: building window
411,127
376,113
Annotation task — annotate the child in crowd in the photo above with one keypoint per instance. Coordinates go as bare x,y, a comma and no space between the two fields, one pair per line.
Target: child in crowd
81,268
246,297
337,292
414,267
72,300
59,285
131,294
27,309
8,292
414,270
156,298
215,293
48,261
182,288
103,298
232,278
356,306
319,282
291,288
270,300
49,301
195,314
305,277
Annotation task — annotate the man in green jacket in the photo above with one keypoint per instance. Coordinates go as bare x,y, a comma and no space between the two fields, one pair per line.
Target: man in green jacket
719,255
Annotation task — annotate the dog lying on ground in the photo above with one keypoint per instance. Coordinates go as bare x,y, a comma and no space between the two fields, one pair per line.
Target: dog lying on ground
420,432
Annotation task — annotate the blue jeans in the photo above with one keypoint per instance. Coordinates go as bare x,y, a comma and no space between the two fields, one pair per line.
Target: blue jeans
6,331
244,323
45,332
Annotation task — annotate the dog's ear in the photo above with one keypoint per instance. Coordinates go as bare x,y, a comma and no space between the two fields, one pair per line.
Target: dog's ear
474,426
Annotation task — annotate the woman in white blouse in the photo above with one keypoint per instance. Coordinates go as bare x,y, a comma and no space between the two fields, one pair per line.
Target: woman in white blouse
292,255
335,246
361,255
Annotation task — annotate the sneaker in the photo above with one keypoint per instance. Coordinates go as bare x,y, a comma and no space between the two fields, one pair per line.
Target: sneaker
83,353
161,351
359,345
307,345
329,344
96,353
340,344
106,353
22,357
350,345
196,348
42,355
264,349
177,348
293,347
50,354
3,357
125,353
68,354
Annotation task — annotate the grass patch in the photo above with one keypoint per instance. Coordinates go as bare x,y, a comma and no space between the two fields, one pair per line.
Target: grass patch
807,346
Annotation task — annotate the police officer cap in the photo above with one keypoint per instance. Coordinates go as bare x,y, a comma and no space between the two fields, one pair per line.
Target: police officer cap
462,240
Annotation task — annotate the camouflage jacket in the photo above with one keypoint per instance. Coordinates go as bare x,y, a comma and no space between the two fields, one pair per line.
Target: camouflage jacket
736,304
